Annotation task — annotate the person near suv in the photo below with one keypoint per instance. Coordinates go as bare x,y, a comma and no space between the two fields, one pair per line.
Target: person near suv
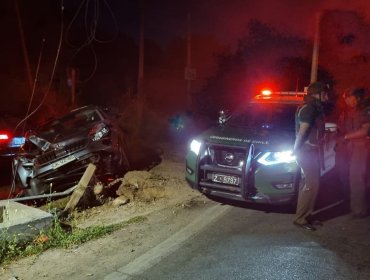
355,126
310,126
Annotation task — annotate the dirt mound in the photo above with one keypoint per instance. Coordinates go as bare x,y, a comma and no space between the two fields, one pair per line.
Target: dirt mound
142,192
141,186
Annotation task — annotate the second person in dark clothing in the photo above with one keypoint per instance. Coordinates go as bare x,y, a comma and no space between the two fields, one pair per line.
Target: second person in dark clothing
310,128
355,126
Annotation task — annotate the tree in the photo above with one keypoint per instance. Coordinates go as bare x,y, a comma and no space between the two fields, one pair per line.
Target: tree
263,57
345,48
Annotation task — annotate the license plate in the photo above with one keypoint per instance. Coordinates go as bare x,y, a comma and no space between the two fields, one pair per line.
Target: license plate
63,161
225,179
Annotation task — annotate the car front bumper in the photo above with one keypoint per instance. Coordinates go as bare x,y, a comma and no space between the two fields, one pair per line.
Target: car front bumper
262,184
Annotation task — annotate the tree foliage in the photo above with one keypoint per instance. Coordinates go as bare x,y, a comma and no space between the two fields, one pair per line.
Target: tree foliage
263,57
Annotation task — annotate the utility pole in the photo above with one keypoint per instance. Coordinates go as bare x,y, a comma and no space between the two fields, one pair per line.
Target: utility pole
188,61
141,56
140,76
24,48
190,73
72,82
316,46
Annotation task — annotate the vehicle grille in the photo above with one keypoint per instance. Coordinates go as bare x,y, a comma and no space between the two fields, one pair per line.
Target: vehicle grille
227,156
233,162
52,155
75,146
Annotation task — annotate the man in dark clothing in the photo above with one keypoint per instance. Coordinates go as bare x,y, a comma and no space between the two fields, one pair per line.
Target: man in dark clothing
310,127
355,125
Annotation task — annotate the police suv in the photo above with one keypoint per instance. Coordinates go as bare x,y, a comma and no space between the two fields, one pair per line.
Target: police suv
248,157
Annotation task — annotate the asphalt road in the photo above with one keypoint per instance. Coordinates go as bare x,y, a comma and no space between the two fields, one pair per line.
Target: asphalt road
215,240
235,243
205,239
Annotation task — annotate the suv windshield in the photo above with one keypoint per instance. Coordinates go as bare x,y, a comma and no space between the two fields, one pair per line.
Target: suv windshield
266,116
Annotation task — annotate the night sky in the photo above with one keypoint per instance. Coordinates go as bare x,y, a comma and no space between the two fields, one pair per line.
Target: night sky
227,20
105,52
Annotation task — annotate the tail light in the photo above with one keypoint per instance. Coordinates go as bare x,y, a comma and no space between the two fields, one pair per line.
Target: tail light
4,137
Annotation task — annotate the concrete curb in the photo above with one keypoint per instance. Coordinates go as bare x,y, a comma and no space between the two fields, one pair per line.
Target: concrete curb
21,221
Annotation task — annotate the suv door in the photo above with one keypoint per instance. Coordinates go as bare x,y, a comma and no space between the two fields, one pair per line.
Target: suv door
328,148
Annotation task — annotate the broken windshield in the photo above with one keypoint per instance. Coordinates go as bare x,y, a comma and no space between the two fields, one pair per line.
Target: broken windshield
77,119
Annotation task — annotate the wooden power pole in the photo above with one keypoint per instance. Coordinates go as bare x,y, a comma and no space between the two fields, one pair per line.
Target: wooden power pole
24,48
188,59
190,73
141,56
315,52
140,77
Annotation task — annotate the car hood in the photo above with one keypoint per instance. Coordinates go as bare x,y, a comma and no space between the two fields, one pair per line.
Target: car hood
244,136
54,136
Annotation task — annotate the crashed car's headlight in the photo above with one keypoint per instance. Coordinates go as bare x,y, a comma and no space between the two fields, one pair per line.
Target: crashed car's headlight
195,146
98,132
270,158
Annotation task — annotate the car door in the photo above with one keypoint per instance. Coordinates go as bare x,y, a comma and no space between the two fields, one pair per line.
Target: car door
328,148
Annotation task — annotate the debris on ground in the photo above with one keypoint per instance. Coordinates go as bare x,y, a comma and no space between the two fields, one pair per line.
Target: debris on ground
142,186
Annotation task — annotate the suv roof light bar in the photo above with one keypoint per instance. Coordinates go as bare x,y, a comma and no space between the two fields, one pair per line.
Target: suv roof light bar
289,93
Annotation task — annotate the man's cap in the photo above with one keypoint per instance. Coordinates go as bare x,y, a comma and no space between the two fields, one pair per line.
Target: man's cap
317,88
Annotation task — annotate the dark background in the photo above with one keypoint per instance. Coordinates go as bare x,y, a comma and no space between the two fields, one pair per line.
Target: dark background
237,47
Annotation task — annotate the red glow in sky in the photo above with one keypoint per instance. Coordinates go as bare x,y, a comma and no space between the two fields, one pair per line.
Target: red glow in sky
227,19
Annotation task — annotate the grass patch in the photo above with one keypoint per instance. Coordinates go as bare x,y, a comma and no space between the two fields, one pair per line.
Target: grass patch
57,236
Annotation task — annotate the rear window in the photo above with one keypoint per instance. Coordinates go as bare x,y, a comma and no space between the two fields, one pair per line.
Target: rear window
265,116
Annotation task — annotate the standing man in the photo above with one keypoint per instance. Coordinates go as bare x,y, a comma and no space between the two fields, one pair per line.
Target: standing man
355,126
310,127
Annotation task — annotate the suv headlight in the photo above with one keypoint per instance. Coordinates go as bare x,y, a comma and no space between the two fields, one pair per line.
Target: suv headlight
98,132
195,146
270,158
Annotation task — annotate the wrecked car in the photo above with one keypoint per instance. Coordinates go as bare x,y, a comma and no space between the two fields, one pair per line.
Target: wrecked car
55,156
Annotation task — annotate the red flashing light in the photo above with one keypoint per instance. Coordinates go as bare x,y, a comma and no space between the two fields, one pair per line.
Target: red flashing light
4,136
266,92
